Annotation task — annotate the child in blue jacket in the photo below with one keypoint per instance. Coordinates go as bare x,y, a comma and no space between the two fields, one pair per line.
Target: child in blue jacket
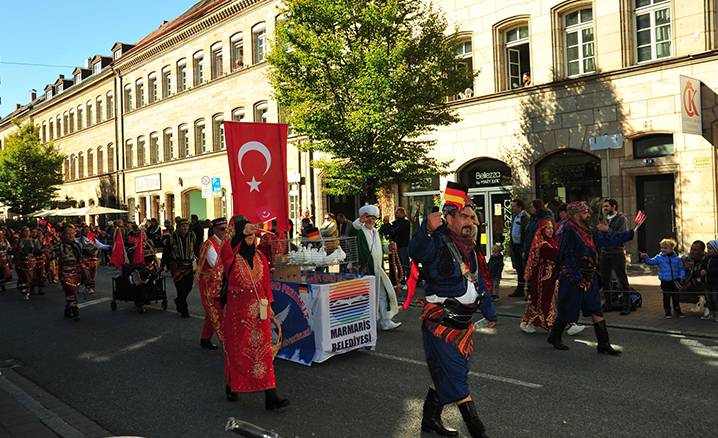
671,273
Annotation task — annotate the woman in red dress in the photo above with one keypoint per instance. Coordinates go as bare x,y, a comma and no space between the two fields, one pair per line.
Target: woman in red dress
247,332
541,275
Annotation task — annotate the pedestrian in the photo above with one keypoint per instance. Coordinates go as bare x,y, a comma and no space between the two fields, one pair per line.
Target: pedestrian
370,261
209,276
69,258
695,283
518,235
671,273
26,249
330,232
612,260
453,288
197,227
90,247
5,264
41,257
578,284
486,301
401,230
710,273
181,257
248,358
496,269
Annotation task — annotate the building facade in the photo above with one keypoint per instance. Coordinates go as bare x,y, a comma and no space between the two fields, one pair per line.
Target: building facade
576,99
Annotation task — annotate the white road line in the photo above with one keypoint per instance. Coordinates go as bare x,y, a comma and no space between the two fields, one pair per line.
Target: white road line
471,373
93,302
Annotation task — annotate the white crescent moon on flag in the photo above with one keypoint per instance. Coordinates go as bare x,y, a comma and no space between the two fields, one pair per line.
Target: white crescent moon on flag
254,146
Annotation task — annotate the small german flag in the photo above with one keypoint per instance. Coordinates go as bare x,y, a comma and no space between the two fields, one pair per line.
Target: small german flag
455,194
314,234
303,289
266,227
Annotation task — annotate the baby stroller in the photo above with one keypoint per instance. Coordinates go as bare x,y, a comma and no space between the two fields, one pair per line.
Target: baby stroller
141,284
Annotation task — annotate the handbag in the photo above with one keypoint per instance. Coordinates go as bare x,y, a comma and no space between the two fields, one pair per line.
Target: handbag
225,284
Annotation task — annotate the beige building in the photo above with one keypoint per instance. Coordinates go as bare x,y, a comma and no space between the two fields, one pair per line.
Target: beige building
573,99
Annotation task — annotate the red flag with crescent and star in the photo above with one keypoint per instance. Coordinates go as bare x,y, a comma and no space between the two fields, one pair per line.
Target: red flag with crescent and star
257,155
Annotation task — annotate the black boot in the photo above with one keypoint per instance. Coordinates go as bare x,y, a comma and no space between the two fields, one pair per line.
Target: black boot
272,400
604,344
207,344
471,418
431,421
231,396
555,337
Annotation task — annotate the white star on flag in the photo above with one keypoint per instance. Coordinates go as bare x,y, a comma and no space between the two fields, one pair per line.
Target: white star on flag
253,185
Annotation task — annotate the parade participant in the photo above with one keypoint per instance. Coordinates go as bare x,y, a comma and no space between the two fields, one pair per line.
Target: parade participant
248,358
613,259
41,257
90,247
69,257
181,257
5,264
453,288
50,240
540,273
578,282
209,277
370,262
26,249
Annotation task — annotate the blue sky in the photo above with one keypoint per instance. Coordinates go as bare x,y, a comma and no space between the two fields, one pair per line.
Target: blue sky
66,33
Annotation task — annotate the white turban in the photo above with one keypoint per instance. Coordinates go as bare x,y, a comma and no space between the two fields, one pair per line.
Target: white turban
371,210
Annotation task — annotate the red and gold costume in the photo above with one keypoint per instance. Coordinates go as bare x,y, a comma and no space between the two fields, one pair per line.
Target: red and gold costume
5,263
248,355
209,276
541,275
90,250
69,258
26,251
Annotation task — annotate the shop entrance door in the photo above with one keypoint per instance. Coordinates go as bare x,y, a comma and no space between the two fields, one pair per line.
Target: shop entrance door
493,208
656,197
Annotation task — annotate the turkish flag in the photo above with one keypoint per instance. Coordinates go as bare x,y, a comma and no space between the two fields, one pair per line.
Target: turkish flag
257,155
118,257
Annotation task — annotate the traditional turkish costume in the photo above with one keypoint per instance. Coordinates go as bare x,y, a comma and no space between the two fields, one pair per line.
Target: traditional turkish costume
209,274
69,258
26,251
181,266
91,248
5,263
52,272
541,276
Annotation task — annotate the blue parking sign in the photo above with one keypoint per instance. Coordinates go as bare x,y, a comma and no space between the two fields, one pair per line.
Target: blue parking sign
216,185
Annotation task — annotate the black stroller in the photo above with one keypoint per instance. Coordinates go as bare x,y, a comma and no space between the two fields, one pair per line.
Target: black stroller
140,284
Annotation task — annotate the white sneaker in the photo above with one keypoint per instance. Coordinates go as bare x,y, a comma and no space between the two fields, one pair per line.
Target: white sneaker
527,328
575,329
388,324
404,287
706,313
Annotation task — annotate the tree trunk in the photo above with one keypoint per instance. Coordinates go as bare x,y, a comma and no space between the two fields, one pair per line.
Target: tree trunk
385,197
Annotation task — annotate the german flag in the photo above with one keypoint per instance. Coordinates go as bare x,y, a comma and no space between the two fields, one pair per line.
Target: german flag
455,194
266,227
314,234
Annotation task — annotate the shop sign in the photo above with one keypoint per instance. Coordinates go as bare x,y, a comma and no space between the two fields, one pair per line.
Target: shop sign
148,183
691,120
486,172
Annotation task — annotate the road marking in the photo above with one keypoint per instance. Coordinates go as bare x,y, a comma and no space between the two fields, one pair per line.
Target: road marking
93,302
471,373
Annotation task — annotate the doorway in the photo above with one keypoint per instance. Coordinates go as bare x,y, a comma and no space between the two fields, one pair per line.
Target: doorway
656,198
494,211
194,203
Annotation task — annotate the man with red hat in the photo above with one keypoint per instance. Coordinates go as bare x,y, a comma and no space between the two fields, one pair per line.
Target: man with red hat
68,253
209,277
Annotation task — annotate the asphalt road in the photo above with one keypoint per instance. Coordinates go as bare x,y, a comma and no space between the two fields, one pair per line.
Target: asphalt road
146,375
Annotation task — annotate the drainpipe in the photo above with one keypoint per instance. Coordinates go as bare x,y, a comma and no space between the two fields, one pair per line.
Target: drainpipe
120,134
311,183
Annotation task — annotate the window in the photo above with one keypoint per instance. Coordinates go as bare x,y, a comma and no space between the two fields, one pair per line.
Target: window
90,163
96,67
49,93
465,51
67,169
128,98
218,132
260,111
98,110
653,29
80,120
236,55
167,144
154,148
152,87
183,136
238,114
216,60
65,124
140,93
100,161
71,120
43,132
73,162
579,43
110,105
58,125
51,130
198,68
88,113
117,53
78,78
166,82
129,149
80,165
259,42
200,137
60,88
110,158
656,145
181,75
518,63
140,151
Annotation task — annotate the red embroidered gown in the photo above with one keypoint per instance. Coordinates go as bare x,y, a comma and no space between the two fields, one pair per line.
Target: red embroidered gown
542,278
248,357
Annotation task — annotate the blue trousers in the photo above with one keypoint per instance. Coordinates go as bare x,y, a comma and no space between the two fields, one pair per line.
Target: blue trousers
448,368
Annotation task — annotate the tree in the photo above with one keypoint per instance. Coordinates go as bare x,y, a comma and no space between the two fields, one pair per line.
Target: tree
30,171
365,81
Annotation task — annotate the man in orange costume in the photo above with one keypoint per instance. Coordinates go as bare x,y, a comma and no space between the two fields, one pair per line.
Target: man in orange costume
209,276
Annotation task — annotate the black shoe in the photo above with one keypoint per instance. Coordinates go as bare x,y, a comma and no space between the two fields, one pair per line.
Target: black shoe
431,421
517,294
471,418
184,314
555,337
272,400
604,344
207,344
625,312
231,396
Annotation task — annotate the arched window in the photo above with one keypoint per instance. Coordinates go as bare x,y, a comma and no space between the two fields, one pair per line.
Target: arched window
72,121
465,51
152,89
183,139
51,129
198,68
259,42
140,151
129,154
110,105
653,145
88,113
216,60
140,93
200,137
154,148
167,146
99,114
90,163
44,132
236,51
181,75
110,157
58,126
568,175
73,166
67,169
128,98
261,110
80,117
238,114
65,124
166,81
80,165
512,53
100,161
218,132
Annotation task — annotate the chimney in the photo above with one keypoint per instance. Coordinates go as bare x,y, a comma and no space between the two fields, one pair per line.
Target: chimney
88,61
33,95
17,106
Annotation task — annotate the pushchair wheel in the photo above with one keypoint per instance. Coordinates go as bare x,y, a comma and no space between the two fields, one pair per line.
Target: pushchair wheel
113,305
164,304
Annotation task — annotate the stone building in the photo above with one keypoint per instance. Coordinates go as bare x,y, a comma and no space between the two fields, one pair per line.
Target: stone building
574,99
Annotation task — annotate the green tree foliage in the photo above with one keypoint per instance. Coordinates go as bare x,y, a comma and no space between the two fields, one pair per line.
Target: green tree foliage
365,80
30,171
